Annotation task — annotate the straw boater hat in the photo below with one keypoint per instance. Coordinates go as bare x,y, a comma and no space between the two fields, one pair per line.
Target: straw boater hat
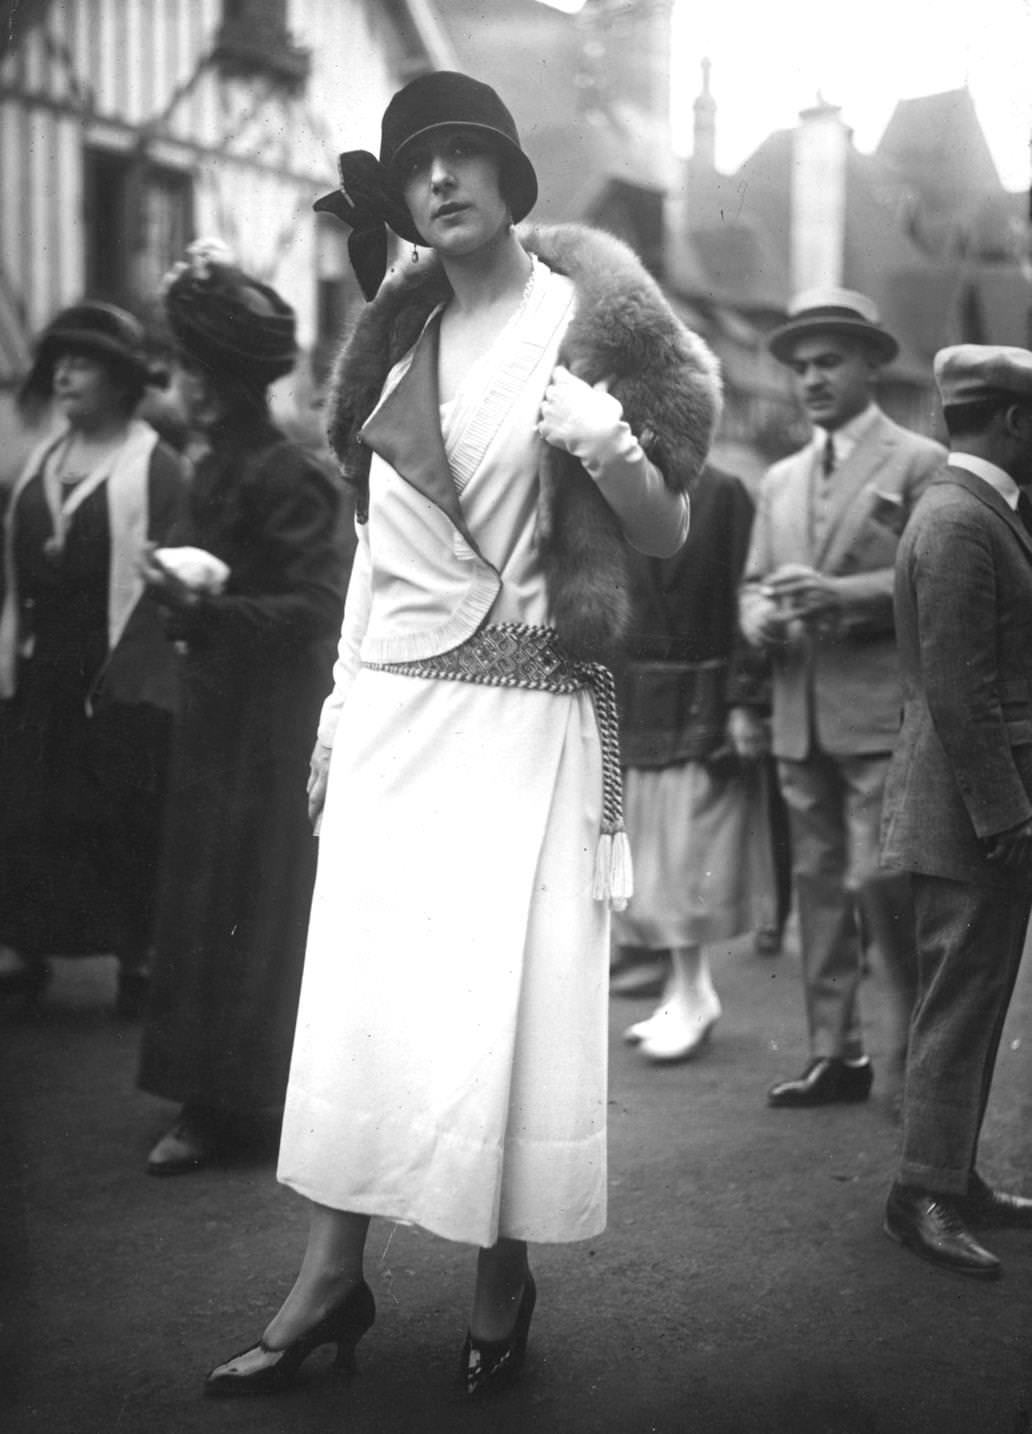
839,311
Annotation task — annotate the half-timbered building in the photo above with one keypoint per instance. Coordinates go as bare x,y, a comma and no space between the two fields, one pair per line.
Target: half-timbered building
128,127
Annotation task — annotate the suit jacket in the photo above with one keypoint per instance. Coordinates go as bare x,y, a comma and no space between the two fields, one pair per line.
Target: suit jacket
962,770
838,685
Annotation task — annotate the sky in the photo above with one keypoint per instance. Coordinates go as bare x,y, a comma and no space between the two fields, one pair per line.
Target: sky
771,58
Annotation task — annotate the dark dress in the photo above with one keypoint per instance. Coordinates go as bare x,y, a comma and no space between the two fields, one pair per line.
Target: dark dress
85,738
239,857
696,817
686,662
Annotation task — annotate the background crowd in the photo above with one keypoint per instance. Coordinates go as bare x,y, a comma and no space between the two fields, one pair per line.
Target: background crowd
167,643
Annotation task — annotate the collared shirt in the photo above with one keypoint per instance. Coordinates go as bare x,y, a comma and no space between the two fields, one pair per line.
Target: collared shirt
990,473
844,439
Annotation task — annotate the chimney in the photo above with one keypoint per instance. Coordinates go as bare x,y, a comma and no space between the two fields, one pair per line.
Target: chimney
818,234
704,128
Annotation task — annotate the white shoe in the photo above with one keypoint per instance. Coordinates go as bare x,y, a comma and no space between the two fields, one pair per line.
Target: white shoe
637,1033
680,1035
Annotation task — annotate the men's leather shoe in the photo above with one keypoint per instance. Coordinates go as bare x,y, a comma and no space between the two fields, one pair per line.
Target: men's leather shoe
931,1226
983,1205
825,1081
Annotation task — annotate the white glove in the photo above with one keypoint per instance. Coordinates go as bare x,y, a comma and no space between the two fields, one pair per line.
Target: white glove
587,421
196,569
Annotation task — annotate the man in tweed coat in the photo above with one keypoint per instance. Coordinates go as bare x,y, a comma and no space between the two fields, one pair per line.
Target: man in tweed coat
958,800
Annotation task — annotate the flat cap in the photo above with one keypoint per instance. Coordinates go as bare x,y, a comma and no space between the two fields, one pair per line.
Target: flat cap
971,373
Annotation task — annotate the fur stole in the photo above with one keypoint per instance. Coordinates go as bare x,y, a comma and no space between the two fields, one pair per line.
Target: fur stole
624,331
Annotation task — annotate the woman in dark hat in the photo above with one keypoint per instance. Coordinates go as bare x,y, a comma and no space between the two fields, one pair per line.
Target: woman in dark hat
253,584
84,664
512,409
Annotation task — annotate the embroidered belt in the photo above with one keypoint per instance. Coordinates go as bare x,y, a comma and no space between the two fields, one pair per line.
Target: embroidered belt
516,654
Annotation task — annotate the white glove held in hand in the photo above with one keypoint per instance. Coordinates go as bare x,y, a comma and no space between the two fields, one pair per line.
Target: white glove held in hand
586,421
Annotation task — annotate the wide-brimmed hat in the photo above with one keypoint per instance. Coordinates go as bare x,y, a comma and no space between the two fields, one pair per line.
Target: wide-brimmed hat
982,373
100,330
837,311
370,193
227,321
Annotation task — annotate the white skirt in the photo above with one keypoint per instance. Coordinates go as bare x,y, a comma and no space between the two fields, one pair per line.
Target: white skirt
703,864
449,1065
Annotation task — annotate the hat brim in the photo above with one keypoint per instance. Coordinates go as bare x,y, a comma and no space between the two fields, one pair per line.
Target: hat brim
782,341
88,341
521,186
39,381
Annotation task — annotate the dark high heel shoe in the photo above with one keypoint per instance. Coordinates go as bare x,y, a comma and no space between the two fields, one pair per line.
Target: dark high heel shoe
489,1365
343,1325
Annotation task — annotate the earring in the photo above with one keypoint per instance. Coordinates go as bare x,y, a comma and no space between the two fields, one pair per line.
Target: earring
415,254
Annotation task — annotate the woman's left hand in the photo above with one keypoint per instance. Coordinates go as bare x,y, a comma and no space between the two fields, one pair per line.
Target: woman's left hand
584,419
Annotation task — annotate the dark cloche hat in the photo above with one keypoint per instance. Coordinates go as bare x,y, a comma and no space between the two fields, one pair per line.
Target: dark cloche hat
369,194
828,310
101,330
223,319
447,98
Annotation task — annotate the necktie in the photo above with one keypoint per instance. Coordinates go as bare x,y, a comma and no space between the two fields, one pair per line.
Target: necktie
1025,511
828,456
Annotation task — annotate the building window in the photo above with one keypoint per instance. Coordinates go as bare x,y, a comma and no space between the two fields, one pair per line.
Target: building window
139,220
254,39
107,247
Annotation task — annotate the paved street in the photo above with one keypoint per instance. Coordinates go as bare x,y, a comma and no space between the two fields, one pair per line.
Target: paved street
743,1284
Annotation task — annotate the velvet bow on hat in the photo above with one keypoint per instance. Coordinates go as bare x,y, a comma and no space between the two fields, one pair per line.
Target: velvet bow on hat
367,202
369,195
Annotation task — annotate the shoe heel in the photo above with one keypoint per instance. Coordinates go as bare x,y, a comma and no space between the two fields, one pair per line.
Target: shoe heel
492,1365
343,1326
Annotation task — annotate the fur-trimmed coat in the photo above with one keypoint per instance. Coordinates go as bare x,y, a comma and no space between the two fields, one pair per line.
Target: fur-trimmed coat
623,331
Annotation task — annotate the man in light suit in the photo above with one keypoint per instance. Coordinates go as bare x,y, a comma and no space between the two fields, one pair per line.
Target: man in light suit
818,597
958,801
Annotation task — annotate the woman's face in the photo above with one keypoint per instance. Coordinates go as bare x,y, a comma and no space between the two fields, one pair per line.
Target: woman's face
200,402
451,182
87,392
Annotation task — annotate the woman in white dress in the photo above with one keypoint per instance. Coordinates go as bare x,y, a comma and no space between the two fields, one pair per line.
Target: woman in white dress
470,832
